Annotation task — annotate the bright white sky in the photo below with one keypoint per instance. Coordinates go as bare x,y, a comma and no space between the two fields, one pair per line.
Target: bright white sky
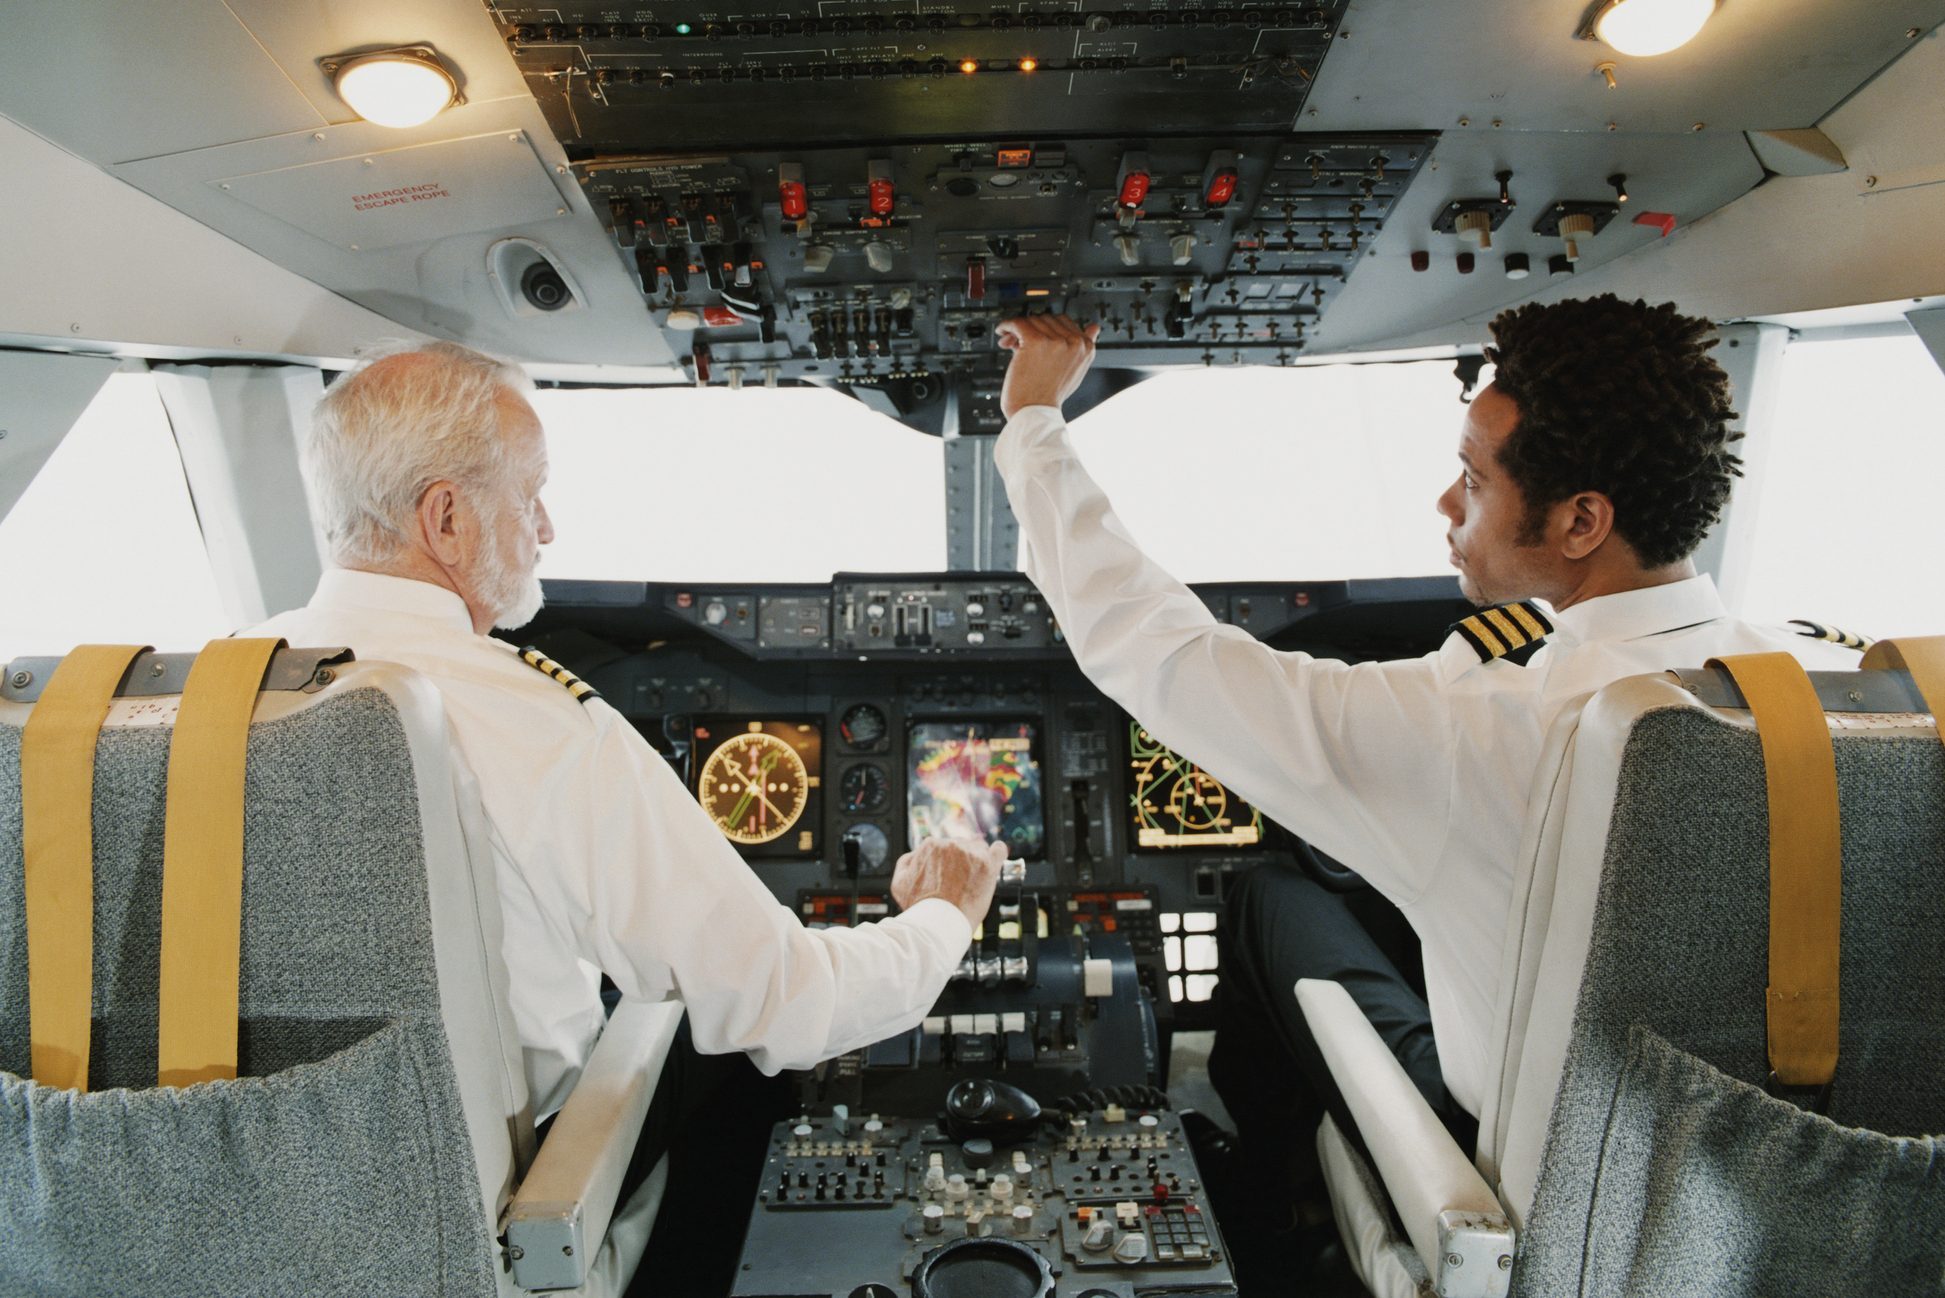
1326,472
1224,474
1851,529
104,547
705,484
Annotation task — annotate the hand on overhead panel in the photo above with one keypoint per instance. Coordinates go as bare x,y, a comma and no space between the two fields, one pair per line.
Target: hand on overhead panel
1050,355
964,874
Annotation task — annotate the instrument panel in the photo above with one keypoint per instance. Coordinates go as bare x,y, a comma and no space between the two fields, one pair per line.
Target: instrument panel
950,169
822,760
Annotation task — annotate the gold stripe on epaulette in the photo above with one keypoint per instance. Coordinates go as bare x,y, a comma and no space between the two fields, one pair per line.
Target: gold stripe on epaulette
1835,635
1511,634
575,686
1481,637
1537,627
1503,629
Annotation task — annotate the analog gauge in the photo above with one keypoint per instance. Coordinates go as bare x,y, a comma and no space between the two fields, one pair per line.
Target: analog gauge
863,726
874,849
863,790
754,787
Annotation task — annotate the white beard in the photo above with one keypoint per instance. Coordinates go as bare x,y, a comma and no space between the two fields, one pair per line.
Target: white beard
520,604
514,596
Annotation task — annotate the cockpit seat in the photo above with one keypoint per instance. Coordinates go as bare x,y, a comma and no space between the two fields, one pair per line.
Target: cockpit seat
376,1136
1635,1140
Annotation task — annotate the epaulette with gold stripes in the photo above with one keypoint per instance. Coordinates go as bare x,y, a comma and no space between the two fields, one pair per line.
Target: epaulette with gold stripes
1836,635
1505,630
540,662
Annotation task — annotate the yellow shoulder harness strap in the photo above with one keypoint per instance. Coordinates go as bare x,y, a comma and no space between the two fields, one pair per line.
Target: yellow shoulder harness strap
1805,865
202,864
1924,658
57,800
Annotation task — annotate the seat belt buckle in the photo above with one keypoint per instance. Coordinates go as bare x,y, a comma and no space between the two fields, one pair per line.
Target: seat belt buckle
1812,1099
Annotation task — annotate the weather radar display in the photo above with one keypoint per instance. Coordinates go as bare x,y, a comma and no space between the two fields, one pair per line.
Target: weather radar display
977,780
1176,803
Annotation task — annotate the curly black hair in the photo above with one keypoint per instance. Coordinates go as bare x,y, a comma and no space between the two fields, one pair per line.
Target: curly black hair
1620,398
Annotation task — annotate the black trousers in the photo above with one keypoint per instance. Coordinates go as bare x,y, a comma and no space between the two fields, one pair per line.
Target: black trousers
1277,927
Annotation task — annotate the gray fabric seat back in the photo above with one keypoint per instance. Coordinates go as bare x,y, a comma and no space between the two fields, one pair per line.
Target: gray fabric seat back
1667,1168
340,1160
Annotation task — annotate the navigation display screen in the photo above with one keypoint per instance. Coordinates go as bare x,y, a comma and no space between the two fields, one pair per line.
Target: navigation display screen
977,780
1173,803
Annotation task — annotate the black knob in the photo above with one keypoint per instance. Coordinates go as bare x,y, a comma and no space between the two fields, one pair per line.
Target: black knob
544,288
978,1152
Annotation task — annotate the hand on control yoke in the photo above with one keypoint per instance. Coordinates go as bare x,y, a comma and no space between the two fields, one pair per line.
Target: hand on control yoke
1050,355
964,874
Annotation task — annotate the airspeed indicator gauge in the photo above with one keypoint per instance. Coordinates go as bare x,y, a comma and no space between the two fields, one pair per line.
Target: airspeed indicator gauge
754,787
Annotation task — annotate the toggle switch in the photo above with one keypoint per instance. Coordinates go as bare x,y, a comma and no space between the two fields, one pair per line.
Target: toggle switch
1181,249
648,266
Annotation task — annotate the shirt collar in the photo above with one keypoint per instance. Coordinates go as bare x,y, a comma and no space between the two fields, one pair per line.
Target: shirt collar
1651,610
346,588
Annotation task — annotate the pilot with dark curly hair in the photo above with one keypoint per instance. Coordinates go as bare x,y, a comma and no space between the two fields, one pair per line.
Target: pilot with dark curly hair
1591,468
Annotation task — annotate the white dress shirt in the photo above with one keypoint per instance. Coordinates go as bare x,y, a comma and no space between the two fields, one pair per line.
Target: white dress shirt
607,864
1415,773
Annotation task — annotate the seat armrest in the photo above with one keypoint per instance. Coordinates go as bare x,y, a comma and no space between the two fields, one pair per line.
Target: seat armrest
560,1214
1447,1208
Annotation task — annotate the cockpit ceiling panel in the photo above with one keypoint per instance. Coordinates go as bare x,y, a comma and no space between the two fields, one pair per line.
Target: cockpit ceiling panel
1485,64
118,82
419,195
496,174
690,76
1685,177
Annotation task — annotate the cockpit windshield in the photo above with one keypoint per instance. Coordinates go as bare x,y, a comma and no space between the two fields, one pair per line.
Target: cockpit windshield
1225,474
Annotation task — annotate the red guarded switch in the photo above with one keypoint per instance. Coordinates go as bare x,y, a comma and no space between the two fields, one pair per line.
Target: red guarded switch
791,193
1134,188
882,197
1662,221
1222,188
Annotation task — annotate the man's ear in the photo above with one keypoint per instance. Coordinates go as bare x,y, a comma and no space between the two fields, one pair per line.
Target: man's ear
1582,523
439,525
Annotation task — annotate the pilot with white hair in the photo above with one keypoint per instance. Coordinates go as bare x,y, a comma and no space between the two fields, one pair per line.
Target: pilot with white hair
425,468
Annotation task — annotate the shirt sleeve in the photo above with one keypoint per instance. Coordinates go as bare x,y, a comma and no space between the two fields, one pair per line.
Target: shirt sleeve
1357,759
664,905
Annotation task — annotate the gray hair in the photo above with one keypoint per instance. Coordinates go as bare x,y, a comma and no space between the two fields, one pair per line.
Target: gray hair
378,440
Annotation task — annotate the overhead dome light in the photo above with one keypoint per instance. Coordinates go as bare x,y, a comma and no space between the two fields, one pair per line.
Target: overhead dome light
1647,27
397,88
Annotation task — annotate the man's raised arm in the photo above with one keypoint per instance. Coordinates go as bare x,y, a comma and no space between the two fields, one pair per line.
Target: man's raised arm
1343,755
